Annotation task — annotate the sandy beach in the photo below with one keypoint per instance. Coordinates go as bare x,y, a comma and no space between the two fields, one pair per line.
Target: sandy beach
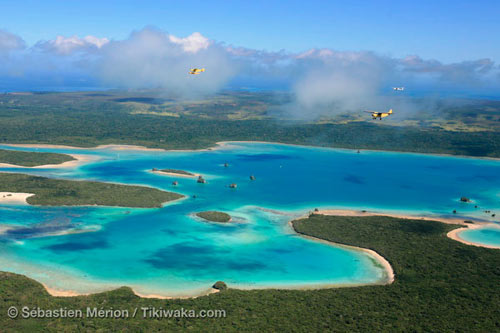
70,293
347,212
110,146
14,198
127,147
455,235
223,144
380,259
62,293
209,292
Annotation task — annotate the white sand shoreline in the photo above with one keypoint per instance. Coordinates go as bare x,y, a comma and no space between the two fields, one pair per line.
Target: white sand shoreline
15,198
174,174
56,292
352,212
108,146
389,277
455,235
209,292
221,144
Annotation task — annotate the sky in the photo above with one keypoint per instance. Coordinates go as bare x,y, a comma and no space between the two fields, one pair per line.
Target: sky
315,49
448,31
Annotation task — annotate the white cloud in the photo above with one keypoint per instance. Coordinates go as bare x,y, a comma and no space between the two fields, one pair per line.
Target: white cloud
10,42
192,43
155,59
68,45
330,81
98,42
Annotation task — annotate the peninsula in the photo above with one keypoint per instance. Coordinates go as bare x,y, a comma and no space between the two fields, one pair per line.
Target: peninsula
58,192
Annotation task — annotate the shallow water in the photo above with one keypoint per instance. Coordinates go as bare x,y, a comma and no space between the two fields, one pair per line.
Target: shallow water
169,251
488,235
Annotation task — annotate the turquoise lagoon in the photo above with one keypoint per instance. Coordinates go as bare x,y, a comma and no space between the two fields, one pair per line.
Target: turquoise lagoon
168,251
488,235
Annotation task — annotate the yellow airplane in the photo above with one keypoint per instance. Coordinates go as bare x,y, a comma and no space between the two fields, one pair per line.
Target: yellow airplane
380,115
196,70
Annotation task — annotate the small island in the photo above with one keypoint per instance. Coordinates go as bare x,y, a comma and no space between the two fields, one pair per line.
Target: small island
174,172
214,216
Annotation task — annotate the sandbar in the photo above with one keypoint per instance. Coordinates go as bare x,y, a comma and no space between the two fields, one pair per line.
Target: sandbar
14,198
174,174
349,212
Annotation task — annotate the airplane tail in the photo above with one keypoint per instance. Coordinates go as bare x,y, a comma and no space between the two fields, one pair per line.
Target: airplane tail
390,111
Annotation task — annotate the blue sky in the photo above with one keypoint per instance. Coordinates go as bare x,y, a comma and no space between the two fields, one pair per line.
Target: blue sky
449,31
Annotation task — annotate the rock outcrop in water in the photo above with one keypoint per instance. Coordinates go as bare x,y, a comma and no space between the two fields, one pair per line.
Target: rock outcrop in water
201,180
220,285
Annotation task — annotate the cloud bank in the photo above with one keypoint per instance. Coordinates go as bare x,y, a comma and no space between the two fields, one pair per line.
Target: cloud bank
150,58
10,42
321,80
69,45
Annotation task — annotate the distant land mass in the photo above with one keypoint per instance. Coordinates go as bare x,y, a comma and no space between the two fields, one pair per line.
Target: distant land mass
86,119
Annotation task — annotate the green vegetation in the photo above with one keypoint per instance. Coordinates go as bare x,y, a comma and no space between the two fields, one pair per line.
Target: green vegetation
214,216
180,172
90,119
30,159
441,286
57,192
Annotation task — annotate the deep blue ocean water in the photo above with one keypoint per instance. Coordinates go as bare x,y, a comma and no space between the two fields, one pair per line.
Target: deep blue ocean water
169,251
